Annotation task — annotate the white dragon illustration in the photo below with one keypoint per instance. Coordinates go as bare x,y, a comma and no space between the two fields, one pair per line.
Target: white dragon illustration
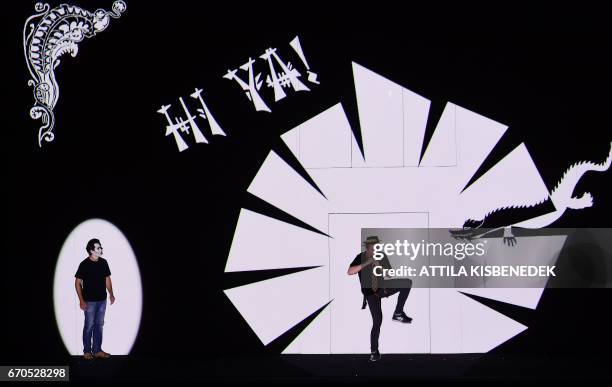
560,196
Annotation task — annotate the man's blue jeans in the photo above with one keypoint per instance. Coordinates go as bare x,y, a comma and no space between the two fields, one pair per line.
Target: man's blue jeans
94,321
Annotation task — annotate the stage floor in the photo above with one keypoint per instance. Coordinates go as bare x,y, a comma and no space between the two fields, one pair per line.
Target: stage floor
463,367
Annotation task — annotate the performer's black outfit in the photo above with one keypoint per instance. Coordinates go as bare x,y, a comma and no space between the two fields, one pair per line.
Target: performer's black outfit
385,288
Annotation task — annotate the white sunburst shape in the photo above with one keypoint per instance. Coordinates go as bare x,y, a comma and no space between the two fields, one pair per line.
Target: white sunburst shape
388,188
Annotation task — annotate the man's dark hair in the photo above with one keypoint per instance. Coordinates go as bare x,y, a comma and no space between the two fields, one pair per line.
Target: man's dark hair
90,245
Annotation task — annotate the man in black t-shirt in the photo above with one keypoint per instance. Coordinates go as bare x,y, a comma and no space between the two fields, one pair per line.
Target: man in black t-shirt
92,281
374,289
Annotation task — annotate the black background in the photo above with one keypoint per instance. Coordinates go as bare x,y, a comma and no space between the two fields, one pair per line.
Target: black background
544,75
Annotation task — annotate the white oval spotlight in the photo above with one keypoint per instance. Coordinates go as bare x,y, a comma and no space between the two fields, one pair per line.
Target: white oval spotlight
122,319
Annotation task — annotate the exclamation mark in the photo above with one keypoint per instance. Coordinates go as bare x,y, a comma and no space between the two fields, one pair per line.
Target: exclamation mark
295,44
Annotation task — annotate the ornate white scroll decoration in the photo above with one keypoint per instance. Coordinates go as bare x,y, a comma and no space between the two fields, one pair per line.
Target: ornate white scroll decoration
49,34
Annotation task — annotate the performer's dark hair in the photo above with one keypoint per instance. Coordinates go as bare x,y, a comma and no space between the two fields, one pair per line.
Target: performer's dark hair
90,245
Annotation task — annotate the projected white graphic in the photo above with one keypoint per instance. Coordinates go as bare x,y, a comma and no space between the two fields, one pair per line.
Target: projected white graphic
386,187
54,32
287,78
122,319
188,123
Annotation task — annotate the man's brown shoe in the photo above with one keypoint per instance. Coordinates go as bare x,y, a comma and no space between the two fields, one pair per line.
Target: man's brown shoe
101,355
88,356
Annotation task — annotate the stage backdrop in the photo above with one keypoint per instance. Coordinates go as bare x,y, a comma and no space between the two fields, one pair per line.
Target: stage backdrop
229,160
